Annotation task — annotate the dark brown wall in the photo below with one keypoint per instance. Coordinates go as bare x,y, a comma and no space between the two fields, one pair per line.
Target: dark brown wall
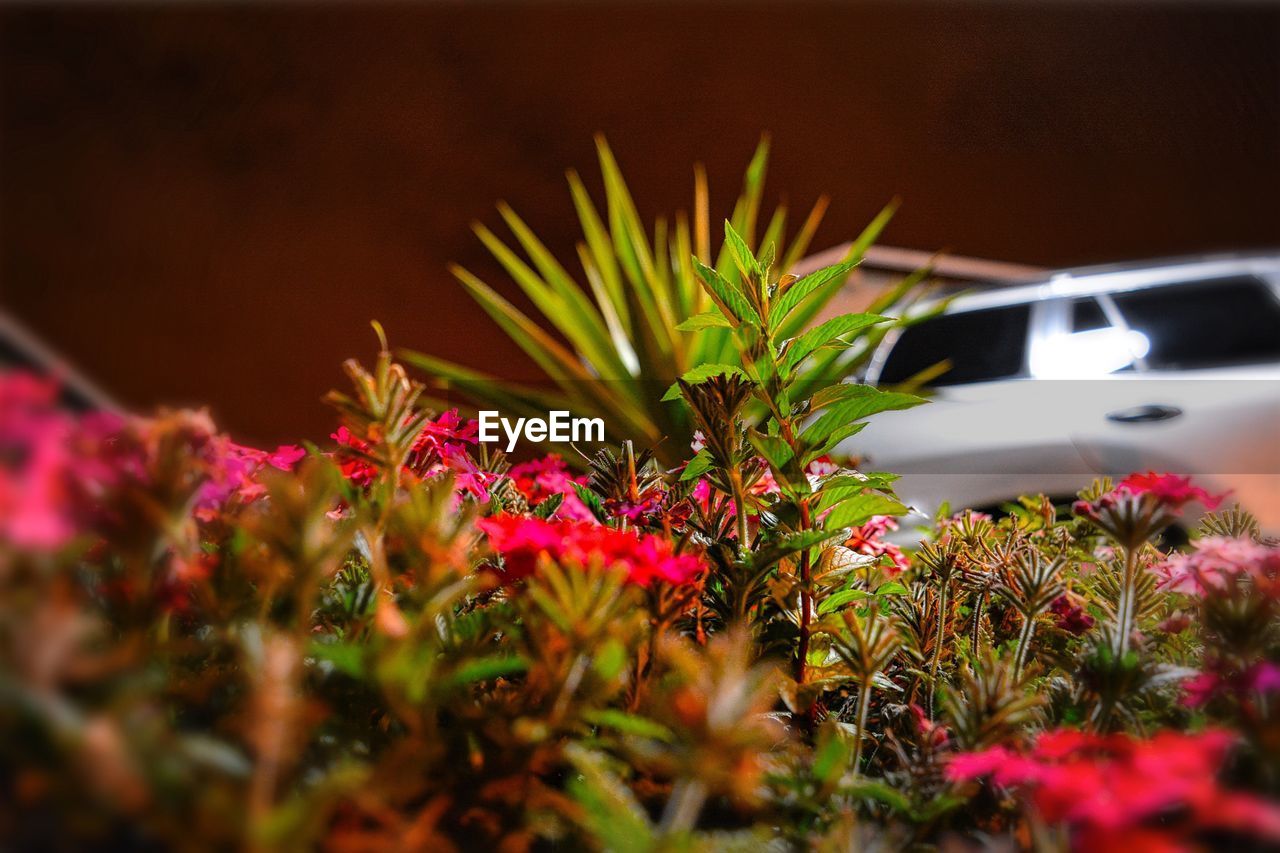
209,204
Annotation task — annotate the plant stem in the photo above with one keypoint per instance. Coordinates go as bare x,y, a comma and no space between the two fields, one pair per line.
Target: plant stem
976,637
943,588
684,806
1024,643
806,601
739,510
1126,605
860,723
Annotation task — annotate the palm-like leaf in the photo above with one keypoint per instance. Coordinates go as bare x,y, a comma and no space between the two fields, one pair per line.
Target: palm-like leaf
621,321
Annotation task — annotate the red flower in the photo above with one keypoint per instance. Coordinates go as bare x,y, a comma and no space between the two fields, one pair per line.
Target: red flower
523,542
1169,489
1070,617
354,467
1109,789
539,479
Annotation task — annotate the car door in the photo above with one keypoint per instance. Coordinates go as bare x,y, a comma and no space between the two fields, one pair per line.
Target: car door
1204,396
987,435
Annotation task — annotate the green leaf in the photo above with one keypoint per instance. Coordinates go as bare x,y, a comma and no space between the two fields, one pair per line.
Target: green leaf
892,588
853,403
629,724
774,450
701,373
591,500
726,296
837,600
483,669
802,289
805,312
705,320
347,658
793,543
838,489
742,253
545,508
830,333
859,508
698,465
610,813
610,659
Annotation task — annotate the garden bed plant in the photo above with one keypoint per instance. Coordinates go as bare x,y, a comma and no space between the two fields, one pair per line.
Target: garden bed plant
401,640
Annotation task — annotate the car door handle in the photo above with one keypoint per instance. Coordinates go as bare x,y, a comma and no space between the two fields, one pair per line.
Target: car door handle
1144,414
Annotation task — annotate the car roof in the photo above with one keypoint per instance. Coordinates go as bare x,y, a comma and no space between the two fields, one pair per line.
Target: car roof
1081,281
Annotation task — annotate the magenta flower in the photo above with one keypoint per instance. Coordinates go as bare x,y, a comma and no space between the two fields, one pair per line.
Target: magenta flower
539,479
1118,793
524,542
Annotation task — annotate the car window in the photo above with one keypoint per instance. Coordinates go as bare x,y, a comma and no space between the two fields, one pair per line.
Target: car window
1205,324
1086,315
982,345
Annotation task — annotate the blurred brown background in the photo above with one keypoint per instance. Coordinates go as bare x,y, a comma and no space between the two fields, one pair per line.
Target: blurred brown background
209,203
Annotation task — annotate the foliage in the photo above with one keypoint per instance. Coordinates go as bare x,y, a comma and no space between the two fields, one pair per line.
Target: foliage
402,641
645,316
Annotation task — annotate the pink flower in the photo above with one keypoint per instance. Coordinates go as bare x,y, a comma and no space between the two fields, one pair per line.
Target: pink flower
440,447
50,462
523,542
1260,678
1110,789
285,457
539,479
868,540
1216,561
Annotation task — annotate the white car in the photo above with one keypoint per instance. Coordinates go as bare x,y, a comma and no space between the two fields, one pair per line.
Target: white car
1170,366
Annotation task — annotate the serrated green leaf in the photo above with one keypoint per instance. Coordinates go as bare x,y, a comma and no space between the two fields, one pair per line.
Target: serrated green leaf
778,549
698,465
836,600
834,331
546,507
859,509
854,403
805,287
701,373
742,254
705,320
591,500
727,296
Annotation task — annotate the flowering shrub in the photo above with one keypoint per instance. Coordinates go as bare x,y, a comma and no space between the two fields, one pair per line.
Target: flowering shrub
400,640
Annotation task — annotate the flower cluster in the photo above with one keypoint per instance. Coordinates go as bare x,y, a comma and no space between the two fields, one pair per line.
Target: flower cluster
523,542
1215,561
539,479
372,629
441,446
1120,793
868,539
